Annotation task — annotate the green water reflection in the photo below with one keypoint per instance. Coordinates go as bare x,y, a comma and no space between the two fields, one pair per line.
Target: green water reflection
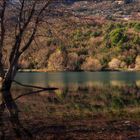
85,93
66,79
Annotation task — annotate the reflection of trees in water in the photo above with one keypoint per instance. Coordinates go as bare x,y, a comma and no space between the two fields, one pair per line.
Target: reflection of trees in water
92,88
107,97
68,102
9,104
132,90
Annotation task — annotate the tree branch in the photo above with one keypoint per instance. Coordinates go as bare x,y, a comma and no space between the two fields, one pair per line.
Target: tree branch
31,86
2,36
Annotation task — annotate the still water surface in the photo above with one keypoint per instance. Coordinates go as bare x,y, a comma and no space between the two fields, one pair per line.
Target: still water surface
66,79
90,92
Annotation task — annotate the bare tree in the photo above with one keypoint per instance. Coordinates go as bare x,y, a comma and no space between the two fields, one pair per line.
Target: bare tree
19,21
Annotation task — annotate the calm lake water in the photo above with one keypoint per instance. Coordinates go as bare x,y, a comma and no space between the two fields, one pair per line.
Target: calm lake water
66,79
83,93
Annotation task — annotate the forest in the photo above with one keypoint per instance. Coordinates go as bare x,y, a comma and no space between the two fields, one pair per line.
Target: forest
93,46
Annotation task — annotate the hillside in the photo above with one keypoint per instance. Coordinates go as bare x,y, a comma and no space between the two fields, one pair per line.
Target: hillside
105,8
87,35
88,47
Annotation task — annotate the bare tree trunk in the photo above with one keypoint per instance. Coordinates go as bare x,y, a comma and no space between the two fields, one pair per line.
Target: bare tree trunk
24,24
9,76
6,85
1,74
9,104
7,79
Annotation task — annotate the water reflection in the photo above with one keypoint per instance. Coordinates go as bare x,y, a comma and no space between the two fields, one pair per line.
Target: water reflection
67,79
68,103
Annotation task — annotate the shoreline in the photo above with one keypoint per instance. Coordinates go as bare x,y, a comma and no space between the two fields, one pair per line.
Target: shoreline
105,70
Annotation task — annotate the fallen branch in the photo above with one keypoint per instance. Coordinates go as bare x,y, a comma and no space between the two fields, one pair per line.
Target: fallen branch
25,94
31,86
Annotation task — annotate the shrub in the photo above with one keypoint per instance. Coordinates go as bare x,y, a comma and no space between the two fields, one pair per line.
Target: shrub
123,65
117,36
110,27
136,40
82,51
131,24
56,61
73,61
104,60
137,27
114,63
96,33
137,63
52,41
24,64
125,46
129,59
91,64
77,35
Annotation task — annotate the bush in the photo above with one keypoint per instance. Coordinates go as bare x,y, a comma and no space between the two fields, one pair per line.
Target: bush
56,61
129,59
114,63
137,27
117,36
73,61
136,40
104,60
137,63
82,51
24,64
91,64
125,46
52,41
123,65
77,35
96,33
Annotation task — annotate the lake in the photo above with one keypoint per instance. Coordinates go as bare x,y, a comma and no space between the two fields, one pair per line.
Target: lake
83,92
68,79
